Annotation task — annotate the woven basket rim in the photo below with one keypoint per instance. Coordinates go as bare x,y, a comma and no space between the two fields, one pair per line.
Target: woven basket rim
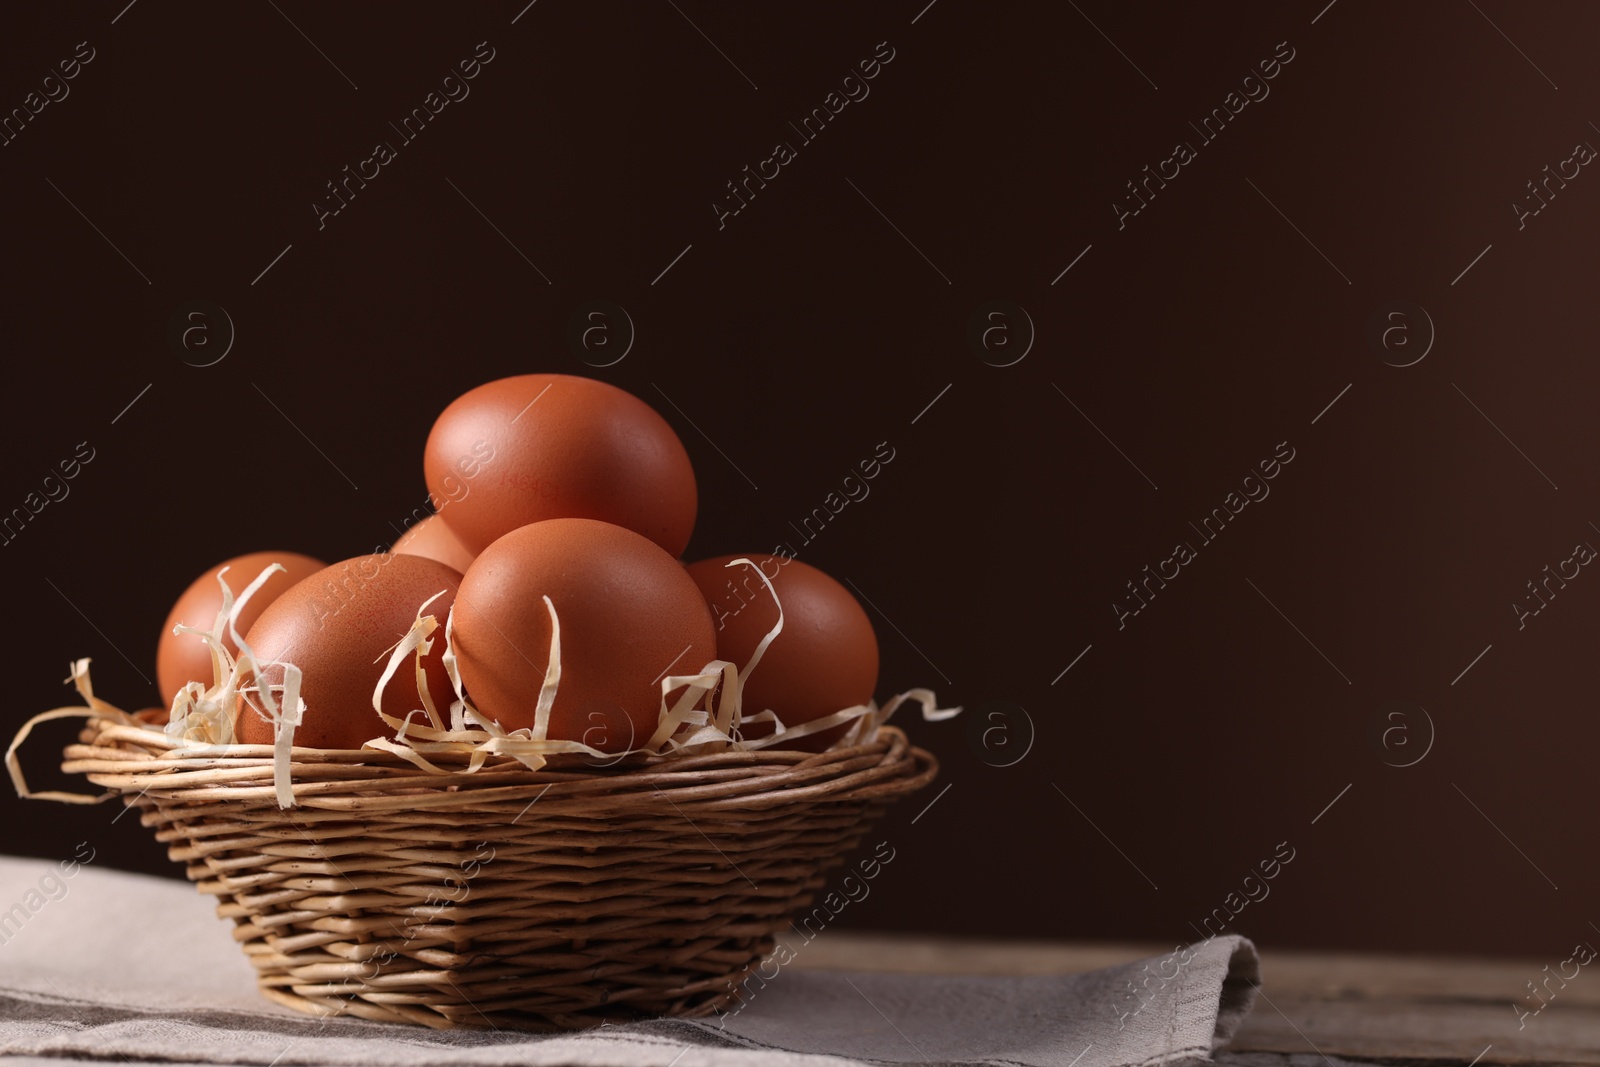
129,760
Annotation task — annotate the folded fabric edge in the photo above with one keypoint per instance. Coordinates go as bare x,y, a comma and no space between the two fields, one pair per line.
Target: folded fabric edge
1238,993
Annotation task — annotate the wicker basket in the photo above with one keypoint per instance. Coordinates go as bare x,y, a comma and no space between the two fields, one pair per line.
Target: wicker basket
504,897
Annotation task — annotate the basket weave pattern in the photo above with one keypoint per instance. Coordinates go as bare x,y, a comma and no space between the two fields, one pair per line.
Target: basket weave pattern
505,897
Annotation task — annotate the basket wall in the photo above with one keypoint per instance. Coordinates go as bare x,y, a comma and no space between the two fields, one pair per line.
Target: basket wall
505,897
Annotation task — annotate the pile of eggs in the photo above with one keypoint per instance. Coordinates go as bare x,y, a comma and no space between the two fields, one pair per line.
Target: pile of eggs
542,486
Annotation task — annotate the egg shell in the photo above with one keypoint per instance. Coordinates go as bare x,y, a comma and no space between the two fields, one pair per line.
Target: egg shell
184,658
432,539
549,446
826,658
629,615
337,626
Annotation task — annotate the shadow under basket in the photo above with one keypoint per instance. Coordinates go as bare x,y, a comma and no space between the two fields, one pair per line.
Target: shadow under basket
550,899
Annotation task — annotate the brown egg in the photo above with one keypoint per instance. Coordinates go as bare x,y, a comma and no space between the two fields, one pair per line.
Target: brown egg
337,626
153,716
432,539
629,615
184,658
826,658
553,446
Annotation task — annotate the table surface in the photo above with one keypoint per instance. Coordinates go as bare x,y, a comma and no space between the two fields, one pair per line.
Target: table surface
1360,1007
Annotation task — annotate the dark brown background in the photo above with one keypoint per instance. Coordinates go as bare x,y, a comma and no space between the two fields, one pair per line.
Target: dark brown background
1197,338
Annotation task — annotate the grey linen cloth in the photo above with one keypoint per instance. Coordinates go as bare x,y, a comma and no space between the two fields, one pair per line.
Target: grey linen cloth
104,966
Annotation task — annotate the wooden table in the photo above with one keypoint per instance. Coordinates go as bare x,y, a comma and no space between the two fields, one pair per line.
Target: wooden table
1359,1007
